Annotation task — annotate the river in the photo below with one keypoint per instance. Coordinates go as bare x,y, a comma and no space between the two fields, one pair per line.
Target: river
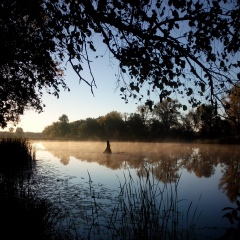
202,178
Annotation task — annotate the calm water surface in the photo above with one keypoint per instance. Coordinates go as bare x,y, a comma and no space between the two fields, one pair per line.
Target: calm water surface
208,176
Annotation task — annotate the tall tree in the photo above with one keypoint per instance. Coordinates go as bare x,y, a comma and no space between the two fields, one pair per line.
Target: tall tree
168,113
113,125
233,107
194,119
136,127
185,47
19,131
90,129
210,124
145,112
64,125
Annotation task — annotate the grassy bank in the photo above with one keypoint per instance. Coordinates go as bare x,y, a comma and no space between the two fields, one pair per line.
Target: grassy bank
24,215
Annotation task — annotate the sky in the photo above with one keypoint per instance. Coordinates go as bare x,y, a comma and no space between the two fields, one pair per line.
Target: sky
80,103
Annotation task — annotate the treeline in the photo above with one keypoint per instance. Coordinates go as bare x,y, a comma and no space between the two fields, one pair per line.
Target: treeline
19,133
165,122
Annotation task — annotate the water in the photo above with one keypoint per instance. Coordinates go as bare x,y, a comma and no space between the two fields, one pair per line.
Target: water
207,177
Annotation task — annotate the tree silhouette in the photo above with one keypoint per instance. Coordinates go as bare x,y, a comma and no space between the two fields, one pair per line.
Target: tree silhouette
136,128
27,64
90,129
233,107
64,125
183,47
168,113
113,125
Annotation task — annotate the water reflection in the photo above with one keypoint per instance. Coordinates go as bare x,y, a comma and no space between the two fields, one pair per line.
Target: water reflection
167,159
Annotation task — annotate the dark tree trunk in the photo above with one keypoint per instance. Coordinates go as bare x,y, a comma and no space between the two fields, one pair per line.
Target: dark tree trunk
108,149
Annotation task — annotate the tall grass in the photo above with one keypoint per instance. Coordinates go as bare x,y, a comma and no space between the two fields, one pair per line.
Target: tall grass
143,209
24,215
16,152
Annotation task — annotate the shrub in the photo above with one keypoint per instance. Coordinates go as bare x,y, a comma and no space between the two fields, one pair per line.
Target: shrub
15,153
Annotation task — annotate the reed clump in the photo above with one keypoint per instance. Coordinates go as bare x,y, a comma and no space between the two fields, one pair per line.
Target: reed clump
16,152
25,215
143,209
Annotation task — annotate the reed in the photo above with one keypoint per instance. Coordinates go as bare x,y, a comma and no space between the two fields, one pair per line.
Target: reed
26,216
143,209
16,152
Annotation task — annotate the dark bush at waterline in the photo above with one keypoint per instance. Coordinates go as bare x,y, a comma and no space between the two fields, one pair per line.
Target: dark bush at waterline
26,216
16,152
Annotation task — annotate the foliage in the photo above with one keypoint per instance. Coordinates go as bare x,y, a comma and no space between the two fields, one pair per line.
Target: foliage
233,106
112,124
28,64
63,125
184,47
233,215
167,112
145,112
166,122
136,128
90,129
19,131
194,119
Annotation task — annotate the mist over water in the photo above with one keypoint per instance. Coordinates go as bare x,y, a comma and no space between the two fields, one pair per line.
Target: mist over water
208,175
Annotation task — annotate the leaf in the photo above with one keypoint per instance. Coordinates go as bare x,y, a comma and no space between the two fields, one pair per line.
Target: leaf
189,92
222,64
175,14
227,208
149,103
184,107
227,106
238,75
92,47
137,88
229,217
202,85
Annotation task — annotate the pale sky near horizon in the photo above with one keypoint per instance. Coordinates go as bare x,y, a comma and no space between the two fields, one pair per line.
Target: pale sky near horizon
79,103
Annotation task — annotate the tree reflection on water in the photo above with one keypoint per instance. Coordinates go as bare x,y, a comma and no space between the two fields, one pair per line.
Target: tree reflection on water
166,159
